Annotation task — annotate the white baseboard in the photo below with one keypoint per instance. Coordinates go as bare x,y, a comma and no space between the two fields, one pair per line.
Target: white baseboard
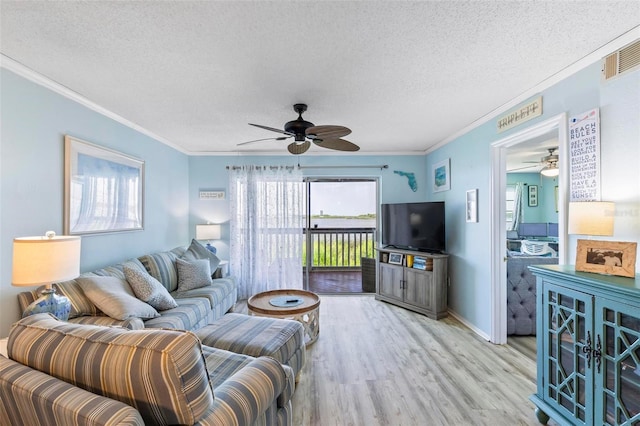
473,328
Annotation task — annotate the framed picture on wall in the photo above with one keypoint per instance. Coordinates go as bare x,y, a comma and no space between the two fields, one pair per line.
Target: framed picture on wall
104,189
441,176
533,195
472,205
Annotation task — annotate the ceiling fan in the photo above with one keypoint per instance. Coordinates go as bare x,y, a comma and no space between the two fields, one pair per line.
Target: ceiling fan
305,132
549,163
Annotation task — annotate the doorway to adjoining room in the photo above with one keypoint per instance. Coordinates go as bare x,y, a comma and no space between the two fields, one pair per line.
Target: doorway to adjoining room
340,234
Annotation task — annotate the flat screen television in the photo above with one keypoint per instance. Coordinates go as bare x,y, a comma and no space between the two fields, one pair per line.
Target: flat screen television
414,226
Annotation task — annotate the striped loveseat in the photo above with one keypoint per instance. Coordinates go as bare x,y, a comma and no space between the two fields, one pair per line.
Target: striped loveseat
61,373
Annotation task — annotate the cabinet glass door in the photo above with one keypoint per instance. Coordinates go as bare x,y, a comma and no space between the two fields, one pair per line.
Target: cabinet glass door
618,376
567,362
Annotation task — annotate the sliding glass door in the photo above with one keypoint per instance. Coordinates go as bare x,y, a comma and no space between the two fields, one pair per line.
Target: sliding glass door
340,233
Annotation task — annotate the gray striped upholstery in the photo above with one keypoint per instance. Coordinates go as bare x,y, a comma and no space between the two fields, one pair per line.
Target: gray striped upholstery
30,397
190,314
130,323
161,373
80,304
222,295
117,270
250,395
162,267
258,336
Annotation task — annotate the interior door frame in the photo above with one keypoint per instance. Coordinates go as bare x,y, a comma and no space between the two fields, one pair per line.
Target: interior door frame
558,124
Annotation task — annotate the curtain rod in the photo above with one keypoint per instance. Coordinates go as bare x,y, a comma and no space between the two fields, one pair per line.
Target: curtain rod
261,167
380,166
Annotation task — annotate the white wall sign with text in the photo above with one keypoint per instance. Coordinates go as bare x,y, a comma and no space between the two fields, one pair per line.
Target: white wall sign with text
519,115
584,156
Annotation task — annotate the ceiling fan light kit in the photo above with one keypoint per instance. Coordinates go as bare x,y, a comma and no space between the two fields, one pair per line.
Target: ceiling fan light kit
304,132
550,171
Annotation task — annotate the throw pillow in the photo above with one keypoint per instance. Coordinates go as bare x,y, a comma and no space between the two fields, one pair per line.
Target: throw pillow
198,251
193,274
148,289
114,297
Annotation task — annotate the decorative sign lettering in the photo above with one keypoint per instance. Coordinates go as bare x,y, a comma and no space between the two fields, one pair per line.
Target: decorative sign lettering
518,116
211,195
584,156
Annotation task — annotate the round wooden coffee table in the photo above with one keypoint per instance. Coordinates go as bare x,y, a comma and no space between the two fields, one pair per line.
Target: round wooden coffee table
300,305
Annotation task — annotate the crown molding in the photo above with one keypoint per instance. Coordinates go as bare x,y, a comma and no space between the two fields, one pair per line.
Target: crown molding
31,75
617,43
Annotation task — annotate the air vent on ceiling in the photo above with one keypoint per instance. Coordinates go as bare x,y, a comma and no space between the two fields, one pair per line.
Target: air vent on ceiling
621,61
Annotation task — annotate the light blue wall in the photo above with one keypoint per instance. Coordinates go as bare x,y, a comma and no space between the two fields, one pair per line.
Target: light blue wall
469,244
34,122
545,212
211,173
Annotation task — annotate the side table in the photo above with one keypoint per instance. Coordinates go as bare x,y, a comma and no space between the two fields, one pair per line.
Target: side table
307,313
223,269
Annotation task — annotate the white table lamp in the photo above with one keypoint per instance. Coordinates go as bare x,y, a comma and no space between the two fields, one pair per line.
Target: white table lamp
591,218
46,260
208,232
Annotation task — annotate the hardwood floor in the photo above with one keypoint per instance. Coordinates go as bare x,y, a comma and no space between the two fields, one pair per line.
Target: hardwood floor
526,345
378,364
332,282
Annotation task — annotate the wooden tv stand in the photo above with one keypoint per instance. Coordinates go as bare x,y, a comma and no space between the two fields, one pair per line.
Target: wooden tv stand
417,289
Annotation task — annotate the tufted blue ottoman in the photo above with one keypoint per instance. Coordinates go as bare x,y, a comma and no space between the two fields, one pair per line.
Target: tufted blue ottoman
258,336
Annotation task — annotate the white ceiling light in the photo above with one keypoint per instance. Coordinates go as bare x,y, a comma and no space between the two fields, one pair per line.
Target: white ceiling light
550,171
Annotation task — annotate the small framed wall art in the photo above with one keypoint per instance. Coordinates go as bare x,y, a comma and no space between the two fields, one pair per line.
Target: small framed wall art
441,176
533,195
472,205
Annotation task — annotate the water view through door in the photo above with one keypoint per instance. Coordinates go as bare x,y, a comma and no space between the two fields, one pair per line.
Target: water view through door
340,235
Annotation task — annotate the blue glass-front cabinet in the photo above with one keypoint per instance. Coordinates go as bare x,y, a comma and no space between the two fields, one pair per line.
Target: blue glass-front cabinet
588,344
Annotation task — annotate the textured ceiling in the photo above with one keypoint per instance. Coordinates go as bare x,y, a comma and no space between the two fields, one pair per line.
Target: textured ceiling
403,76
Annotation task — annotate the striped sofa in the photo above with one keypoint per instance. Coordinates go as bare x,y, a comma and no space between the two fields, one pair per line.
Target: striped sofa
196,308
201,310
76,374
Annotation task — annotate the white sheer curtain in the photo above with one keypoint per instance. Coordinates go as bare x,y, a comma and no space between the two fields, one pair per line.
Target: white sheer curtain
267,219
517,207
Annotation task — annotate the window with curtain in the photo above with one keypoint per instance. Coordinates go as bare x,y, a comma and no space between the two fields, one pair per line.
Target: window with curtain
514,206
267,220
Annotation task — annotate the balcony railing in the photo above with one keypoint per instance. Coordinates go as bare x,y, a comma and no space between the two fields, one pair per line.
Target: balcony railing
340,248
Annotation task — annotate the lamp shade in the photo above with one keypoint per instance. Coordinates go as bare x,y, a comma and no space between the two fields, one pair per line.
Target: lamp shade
45,260
207,232
591,218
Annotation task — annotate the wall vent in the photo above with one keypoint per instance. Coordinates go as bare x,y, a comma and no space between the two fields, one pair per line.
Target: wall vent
621,61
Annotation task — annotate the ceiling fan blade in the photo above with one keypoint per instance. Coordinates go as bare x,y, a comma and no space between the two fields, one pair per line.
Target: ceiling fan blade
297,149
337,144
273,129
280,138
327,132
